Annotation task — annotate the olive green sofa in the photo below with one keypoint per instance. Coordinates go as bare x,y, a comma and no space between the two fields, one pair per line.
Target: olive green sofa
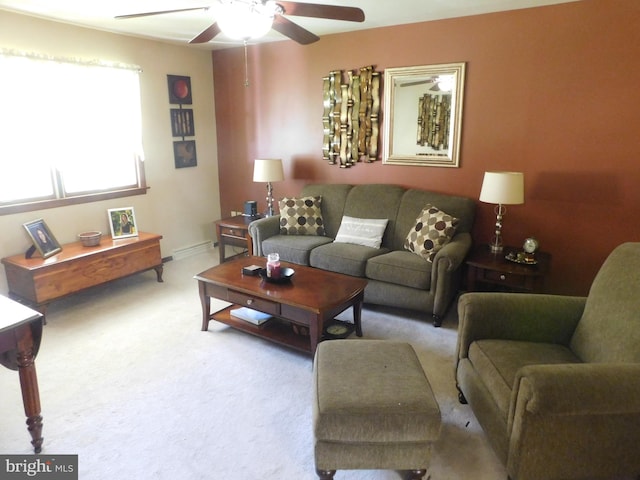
396,277
555,381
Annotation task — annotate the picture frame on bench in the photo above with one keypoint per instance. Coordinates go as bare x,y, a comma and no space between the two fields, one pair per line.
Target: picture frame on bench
43,240
122,222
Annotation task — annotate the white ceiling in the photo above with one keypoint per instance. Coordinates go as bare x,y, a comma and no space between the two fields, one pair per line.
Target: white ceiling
181,27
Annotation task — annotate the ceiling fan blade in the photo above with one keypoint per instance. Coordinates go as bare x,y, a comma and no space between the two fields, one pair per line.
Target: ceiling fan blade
350,14
418,82
293,31
207,34
413,84
162,12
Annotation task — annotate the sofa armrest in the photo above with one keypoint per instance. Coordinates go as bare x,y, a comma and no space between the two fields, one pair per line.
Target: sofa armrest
451,256
516,316
575,420
262,229
446,273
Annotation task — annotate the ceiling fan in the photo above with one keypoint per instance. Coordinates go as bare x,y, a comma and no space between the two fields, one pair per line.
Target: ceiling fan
441,83
250,19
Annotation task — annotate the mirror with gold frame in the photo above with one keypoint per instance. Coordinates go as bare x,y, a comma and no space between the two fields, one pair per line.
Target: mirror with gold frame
423,108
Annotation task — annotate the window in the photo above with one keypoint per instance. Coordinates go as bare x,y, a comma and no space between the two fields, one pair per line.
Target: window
70,132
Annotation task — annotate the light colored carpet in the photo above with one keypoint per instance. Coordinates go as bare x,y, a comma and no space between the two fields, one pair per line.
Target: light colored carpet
130,384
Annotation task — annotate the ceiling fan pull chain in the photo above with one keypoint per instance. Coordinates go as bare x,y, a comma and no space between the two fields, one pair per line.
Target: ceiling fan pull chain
246,66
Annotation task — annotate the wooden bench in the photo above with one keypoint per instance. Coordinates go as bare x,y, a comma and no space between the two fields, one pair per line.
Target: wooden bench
37,281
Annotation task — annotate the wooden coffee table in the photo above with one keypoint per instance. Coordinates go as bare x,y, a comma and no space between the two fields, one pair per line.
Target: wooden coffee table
309,300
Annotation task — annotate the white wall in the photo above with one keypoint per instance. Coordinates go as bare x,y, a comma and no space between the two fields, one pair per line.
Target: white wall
181,204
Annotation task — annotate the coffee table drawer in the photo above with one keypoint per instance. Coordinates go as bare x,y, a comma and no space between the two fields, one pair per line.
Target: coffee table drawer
253,302
298,315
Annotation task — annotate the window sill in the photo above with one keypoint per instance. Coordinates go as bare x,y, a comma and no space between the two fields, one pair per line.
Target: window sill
61,202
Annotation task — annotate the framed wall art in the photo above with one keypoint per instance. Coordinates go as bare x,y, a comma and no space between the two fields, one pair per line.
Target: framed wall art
179,89
42,238
122,222
423,107
184,153
182,122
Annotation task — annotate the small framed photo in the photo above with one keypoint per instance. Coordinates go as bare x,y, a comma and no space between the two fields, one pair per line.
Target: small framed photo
122,222
43,239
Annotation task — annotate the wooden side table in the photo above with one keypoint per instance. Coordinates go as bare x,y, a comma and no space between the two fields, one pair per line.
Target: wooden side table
493,272
234,231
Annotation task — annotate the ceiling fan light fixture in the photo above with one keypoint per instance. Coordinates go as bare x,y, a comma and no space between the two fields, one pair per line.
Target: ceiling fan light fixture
445,83
246,19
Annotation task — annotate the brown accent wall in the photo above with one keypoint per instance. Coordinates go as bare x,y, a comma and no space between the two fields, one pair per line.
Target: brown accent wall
553,92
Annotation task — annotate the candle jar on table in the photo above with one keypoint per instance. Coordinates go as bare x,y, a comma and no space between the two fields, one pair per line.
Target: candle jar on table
273,266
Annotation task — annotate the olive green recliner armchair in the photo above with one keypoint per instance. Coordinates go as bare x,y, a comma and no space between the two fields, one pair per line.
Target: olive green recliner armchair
555,381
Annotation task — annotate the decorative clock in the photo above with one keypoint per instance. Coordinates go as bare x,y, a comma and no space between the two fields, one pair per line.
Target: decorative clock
530,245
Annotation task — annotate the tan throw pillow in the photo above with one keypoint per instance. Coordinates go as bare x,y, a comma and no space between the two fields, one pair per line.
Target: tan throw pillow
301,216
432,231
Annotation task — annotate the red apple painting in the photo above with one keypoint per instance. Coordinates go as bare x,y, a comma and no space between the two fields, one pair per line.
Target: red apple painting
179,89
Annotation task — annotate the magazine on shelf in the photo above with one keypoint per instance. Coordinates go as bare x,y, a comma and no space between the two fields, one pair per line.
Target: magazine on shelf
250,315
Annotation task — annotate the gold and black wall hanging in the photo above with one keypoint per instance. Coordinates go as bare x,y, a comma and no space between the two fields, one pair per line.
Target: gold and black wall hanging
351,116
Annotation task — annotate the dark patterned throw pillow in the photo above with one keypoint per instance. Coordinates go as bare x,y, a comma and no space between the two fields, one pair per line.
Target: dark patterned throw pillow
301,216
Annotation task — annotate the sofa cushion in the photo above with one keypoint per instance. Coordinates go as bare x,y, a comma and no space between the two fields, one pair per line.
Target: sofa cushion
344,258
497,361
432,231
376,201
293,248
367,232
334,197
400,267
301,216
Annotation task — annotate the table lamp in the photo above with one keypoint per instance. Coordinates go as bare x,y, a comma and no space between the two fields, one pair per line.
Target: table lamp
501,188
268,170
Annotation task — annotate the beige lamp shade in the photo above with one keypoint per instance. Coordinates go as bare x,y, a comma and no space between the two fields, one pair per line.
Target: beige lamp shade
503,188
268,170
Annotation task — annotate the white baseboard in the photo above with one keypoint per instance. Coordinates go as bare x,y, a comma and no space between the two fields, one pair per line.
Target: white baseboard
192,250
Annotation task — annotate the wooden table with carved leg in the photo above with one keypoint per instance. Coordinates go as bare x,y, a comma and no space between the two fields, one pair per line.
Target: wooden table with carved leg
20,335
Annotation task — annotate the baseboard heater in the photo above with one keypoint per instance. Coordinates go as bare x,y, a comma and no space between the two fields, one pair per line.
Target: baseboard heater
191,250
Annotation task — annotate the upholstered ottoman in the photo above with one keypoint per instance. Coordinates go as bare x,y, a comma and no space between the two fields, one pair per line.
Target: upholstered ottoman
373,408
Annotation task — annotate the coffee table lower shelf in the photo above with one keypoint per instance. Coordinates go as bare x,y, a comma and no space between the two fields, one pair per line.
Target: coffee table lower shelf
276,330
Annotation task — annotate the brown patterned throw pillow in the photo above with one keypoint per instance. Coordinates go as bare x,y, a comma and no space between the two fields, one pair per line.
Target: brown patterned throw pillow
301,216
432,231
